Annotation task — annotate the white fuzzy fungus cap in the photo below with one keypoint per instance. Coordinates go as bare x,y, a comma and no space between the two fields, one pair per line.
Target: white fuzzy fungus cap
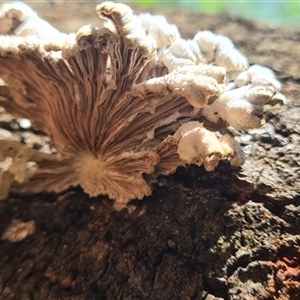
197,145
221,50
205,47
17,18
158,27
121,101
241,103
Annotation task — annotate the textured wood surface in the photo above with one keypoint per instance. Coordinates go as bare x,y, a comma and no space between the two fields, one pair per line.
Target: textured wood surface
230,234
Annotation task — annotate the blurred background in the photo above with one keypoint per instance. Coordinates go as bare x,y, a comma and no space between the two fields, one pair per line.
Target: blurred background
276,12
272,12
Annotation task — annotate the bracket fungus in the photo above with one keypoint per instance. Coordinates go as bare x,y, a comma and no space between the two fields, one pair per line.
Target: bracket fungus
123,100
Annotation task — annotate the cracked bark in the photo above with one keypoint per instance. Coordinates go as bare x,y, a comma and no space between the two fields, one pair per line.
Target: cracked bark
230,234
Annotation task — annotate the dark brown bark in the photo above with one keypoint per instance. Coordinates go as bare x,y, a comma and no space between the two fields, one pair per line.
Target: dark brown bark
230,234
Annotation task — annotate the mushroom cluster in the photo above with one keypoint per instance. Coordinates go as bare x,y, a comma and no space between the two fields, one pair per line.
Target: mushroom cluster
123,102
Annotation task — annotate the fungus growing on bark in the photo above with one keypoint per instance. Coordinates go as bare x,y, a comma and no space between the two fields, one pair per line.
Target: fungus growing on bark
18,230
121,101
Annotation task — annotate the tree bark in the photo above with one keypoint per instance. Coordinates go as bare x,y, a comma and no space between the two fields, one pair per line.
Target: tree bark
230,234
